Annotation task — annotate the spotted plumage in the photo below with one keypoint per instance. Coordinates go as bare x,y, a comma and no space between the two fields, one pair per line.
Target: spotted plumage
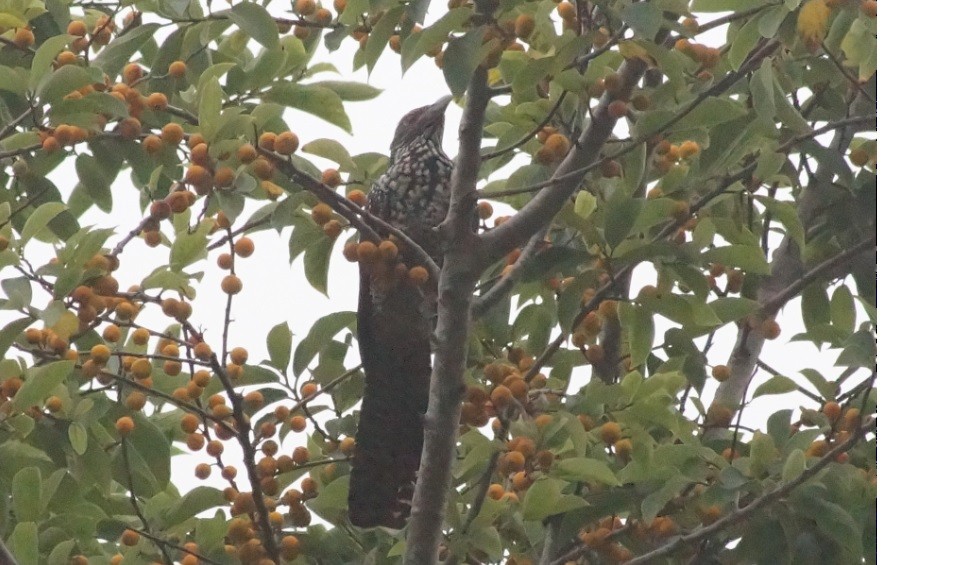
394,326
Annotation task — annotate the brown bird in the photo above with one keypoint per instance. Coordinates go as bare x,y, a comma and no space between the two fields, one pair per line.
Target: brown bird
394,324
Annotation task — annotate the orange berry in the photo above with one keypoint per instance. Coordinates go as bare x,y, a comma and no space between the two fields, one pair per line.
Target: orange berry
77,28
23,38
419,275
100,354
495,491
224,177
129,128
231,284
189,423
720,372
51,145
172,133
351,252
558,144
566,10
358,197
305,7
124,425
331,177
332,229
321,213
368,252
523,26
177,69
129,537
832,410
770,329
298,423
243,247
157,101
485,210
132,72
610,432
618,109
286,143
512,461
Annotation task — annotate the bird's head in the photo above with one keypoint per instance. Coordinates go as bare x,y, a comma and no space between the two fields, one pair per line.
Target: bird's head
425,123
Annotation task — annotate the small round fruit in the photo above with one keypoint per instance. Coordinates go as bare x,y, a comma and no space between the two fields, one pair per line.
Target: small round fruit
720,372
77,28
298,423
523,26
100,353
305,7
832,410
331,177
244,247
770,329
567,11
23,38
419,275
618,109
485,210
124,425
157,101
177,69
129,538
332,229
224,177
358,197
231,284
286,143
610,432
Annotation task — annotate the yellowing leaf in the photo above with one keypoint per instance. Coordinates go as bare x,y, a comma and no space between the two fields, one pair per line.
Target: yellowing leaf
812,22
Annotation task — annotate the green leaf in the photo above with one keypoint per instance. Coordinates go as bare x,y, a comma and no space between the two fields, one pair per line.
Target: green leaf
209,107
40,219
843,314
24,544
794,465
91,174
644,18
461,58
654,502
723,5
190,247
279,343
750,258
732,308
351,91
313,99
380,35
78,437
40,382
120,50
711,112
833,520
11,332
762,91
43,58
585,204
319,336
316,263
584,469
256,22
432,36
640,332
545,498
63,81
26,495
19,293
333,497
196,501
13,80
331,149
777,384
814,306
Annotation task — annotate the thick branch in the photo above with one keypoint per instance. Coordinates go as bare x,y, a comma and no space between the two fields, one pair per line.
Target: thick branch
461,269
546,204
503,286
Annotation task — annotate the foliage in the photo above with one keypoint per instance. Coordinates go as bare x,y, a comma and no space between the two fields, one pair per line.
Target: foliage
739,172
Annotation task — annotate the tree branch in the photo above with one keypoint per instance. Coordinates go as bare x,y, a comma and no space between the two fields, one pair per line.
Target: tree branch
461,270
502,287
546,204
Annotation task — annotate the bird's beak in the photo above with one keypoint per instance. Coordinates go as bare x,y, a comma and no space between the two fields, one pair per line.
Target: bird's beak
441,105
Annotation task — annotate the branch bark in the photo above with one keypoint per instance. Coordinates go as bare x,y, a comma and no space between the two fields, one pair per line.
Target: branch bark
460,272
545,205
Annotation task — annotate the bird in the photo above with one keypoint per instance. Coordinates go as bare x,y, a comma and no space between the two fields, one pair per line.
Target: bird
395,324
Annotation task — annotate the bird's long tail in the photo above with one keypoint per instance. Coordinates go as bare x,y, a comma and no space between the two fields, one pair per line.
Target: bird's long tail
394,339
